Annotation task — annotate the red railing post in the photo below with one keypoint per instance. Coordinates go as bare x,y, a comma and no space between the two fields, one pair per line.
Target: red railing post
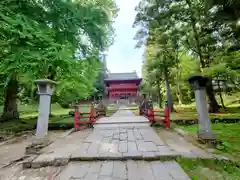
153,115
92,120
150,115
166,120
76,117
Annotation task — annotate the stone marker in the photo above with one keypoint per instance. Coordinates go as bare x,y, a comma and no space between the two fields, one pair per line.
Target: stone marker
199,86
45,90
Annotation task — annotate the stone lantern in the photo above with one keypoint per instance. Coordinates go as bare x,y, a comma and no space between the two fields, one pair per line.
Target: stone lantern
198,84
45,91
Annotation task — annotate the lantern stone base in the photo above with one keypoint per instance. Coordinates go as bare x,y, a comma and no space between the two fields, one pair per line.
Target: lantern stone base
206,135
37,145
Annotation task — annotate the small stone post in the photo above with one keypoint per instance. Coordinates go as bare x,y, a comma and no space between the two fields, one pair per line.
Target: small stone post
45,90
198,84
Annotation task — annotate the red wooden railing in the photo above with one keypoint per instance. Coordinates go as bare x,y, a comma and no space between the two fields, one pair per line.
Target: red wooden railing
91,116
154,116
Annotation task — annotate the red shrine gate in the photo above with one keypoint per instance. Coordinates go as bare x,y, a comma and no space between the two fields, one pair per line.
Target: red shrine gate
122,86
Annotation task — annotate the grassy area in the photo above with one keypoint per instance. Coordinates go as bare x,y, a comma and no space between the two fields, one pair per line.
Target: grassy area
209,169
31,111
28,118
190,113
227,134
231,99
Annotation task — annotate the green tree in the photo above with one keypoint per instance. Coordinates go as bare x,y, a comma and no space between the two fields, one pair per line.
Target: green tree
52,39
192,30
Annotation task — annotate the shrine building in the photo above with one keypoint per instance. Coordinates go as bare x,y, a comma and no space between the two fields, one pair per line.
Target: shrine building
122,86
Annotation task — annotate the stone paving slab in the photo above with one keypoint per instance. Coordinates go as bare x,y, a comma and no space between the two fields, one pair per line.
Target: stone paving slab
179,144
116,143
110,151
130,125
122,116
112,142
123,112
123,170
136,141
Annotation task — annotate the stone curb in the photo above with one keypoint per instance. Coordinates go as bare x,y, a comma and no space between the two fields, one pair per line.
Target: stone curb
124,158
56,162
214,156
67,133
189,138
64,161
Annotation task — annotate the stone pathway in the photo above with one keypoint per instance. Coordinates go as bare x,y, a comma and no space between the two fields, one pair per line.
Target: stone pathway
179,144
122,170
116,149
109,141
122,116
138,142
101,170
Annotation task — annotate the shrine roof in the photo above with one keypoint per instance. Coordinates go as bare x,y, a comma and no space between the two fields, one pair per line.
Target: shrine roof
122,76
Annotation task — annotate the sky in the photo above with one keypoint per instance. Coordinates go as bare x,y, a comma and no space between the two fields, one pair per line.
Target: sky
122,55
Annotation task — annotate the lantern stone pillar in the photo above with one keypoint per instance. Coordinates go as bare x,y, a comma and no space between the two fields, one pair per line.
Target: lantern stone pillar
45,90
198,84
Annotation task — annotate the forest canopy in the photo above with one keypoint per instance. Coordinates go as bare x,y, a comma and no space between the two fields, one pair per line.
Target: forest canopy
183,38
62,40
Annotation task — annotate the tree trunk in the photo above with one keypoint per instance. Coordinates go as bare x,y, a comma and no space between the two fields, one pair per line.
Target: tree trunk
179,98
159,95
169,97
179,94
213,104
10,110
220,95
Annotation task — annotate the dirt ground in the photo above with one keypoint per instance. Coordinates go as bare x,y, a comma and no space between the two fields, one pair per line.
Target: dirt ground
12,153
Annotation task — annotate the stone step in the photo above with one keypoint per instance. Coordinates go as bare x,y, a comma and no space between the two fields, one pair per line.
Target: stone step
61,161
147,156
51,160
123,122
120,170
122,125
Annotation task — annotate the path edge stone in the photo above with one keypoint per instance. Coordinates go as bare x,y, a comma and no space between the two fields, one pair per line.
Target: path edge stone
56,162
220,158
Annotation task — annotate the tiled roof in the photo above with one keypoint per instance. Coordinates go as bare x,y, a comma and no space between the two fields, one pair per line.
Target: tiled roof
122,76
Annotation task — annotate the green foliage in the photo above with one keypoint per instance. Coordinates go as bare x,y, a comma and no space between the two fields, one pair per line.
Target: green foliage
78,84
227,12
184,38
28,119
199,169
60,40
228,136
